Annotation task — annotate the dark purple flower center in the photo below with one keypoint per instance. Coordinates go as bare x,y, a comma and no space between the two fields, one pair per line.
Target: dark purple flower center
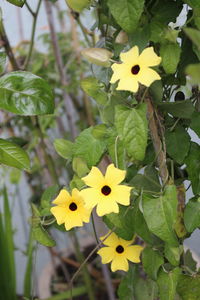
135,69
106,190
119,249
73,206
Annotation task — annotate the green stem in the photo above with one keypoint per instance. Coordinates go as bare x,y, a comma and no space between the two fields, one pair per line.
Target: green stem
35,15
80,258
83,31
94,229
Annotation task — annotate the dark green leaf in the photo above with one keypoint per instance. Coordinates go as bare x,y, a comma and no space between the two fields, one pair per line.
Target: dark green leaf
151,261
194,35
167,283
189,287
64,148
164,212
193,167
42,236
123,221
14,156
126,287
89,148
178,143
19,3
24,93
127,13
179,109
195,122
132,128
189,262
2,61
170,54
93,88
192,215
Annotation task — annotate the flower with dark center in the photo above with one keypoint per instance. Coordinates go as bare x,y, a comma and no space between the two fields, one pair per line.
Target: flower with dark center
70,209
106,192
135,68
119,252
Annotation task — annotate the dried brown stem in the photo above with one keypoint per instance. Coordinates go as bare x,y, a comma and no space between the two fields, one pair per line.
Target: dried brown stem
158,147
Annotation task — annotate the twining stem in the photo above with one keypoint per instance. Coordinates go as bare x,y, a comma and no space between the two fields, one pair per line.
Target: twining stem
160,154
35,15
80,258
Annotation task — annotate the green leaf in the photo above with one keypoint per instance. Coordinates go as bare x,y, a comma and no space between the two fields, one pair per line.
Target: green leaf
164,212
194,35
170,54
25,94
193,3
48,195
192,215
14,156
172,254
89,148
193,71
78,5
151,261
127,13
132,128
19,3
167,283
93,88
193,167
123,222
149,181
2,61
189,287
179,109
178,143
195,122
189,262
80,167
42,236
126,287
64,148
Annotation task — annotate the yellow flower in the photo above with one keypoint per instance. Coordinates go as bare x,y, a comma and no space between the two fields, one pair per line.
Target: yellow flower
134,69
105,191
70,209
118,252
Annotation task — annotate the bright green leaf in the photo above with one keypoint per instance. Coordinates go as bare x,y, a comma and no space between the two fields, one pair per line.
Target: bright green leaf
42,236
151,261
194,72
132,128
167,283
19,3
2,61
64,148
192,215
92,87
170,54
13,155
127,13
178,143
164,212
26,94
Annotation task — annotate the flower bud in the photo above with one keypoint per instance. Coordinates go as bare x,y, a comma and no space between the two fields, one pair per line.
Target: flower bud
78,5
97,56
122,37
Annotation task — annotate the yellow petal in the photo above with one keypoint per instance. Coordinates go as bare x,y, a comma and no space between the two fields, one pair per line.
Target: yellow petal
121,194
91,197
125,243
86,215
107,254
114,175
94,178
119,263
106,206
130,56
129,83
59,213
62,197
149,58
73,220
133,253
119,71
112,240
147,76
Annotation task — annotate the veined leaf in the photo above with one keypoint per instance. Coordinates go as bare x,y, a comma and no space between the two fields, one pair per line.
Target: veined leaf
64,148
167,283
14,156
170,54
127,13
25,94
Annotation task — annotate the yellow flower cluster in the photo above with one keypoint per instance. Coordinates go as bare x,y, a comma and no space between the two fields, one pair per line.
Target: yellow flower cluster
104,192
